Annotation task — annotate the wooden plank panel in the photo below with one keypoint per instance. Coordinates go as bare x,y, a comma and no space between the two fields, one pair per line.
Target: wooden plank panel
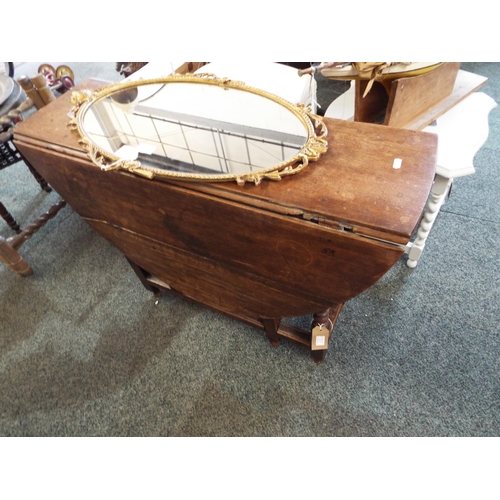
410,97
215,284
283,250
353,183
466,83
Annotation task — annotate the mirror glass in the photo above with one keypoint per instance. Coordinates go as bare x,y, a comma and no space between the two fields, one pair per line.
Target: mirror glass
198,128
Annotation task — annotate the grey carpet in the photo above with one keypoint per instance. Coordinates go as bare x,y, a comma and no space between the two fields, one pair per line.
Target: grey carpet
85,350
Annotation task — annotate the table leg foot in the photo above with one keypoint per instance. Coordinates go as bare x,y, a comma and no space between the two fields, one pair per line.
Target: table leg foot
12,258
141,274
271,326
318,356
322,326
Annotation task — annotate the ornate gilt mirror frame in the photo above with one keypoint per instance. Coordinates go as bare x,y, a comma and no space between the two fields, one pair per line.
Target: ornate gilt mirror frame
314,145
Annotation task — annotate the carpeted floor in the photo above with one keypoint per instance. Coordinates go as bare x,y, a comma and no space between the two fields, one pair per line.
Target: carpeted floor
85,350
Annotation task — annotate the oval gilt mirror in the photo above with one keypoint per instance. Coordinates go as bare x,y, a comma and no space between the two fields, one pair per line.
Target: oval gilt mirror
196,128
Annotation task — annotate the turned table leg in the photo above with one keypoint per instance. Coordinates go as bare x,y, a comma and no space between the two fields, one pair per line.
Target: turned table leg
321,330
9,248
7,217
439,190
12,258
41,181
316,338
271,326
143,277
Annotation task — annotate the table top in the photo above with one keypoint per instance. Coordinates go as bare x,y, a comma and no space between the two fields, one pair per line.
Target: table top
355,184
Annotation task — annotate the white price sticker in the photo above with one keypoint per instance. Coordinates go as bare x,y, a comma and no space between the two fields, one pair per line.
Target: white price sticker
320,340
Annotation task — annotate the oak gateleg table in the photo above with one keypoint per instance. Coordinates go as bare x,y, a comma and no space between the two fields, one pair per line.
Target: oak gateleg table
301,246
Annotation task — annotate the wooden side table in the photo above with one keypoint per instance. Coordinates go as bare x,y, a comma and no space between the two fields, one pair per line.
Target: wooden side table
462,131
459,119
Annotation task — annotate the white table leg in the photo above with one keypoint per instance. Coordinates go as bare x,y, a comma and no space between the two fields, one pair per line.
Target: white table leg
438,193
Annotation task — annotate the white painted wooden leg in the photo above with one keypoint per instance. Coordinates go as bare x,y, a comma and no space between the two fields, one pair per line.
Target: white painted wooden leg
439,190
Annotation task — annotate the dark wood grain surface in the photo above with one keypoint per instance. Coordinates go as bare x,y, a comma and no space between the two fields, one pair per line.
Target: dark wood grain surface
279,249
354,182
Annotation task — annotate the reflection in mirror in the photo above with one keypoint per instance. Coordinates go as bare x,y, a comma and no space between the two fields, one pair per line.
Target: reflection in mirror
198,128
